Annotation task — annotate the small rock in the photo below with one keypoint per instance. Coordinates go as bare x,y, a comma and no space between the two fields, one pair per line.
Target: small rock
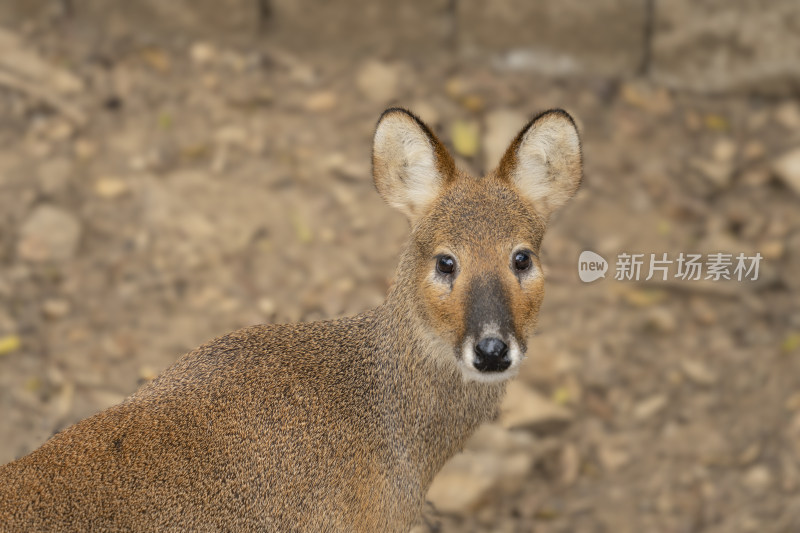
378,81
473,102
655,100
698,372
321,101
703,311
49,234
203,53
156,58
649,407
787,169
757,479
501,127
643,298
85,149
231,135
772,249
750,454
523,408
693,121
788,115
724,150
613,457
60,130
472,479
55,308
147,373
110,188
570,464
249,97
455,88
716,172
754,150
267,306
661,319
495,438
793,402
756,176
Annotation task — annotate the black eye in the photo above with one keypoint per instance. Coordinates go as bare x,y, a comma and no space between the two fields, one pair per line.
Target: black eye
446,264
522,261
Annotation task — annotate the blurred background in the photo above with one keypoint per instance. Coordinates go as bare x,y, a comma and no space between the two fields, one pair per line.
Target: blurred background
170,171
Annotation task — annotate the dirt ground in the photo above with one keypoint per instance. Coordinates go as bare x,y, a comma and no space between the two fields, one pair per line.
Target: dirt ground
156,193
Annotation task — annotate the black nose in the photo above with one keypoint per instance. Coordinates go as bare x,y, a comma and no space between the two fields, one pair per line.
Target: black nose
491,355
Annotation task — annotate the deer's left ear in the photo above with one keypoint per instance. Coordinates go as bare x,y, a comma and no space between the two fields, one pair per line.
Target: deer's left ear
544,161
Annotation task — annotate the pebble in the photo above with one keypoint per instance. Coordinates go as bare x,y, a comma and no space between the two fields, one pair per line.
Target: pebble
787,169
493,437
698,372
249,97
719,173
321,101
569,464
661,319
49,234
524,408
378,81
267,307
203,53
724,150
788,115
471,479
110,188
773,249
55,308
613,457
754,150
703,311
502,126
655,100
649,407
85,149
231,135
757,479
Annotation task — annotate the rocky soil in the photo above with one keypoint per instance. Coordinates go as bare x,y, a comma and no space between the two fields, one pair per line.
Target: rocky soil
159,188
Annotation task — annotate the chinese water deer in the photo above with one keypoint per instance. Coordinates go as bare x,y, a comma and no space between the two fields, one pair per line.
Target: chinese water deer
338,425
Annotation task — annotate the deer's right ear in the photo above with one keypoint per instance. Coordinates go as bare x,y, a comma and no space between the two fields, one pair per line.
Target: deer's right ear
409,164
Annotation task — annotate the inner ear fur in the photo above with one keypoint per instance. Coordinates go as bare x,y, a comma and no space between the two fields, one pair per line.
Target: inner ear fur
544,162
410,166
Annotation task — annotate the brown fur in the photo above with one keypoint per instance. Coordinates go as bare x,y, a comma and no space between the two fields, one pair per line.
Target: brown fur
328,426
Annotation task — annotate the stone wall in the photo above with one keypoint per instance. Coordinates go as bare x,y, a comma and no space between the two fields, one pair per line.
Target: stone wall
712,46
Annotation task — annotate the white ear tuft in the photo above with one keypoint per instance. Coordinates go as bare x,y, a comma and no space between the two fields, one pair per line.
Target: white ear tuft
544,162
410,166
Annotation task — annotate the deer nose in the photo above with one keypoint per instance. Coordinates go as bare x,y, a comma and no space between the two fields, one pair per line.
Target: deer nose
491,355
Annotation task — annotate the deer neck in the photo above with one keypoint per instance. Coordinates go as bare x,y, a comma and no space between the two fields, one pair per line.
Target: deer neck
432,409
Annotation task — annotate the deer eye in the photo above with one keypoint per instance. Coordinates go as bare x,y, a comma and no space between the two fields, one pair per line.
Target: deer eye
522,261
445,264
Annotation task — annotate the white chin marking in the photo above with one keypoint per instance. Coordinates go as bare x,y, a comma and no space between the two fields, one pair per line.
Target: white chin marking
470,373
